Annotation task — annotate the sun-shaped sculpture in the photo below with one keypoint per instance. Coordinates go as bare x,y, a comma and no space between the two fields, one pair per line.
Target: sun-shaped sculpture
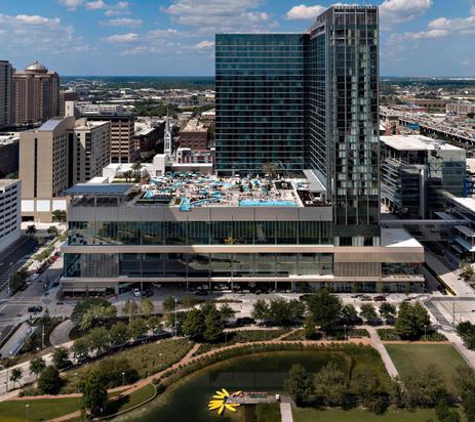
221,401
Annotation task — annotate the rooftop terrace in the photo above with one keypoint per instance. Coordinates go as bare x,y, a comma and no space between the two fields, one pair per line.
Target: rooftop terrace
191,190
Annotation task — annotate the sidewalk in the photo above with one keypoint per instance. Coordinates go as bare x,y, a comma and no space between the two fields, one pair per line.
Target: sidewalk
379,346
450,278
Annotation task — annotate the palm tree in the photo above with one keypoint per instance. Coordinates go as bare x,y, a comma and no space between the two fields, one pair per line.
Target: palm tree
31,230
128,175
37,366
15,375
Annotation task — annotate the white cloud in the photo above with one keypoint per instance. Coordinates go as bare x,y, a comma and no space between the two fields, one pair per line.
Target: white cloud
37,20
123,38
433,33
204,45
28,35
211,16
457,24
122,22
303,12
102,5
71,4
396,11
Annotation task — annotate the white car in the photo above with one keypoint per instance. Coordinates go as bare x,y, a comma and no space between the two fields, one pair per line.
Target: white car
137,292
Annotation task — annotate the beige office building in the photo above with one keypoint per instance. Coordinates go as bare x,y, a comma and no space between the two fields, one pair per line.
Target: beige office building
6,71
44,168
92,149
35,94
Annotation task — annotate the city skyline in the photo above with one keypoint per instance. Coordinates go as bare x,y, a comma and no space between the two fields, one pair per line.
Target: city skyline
176,37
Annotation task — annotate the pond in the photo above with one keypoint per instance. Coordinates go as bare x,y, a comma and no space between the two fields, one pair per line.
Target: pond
187,400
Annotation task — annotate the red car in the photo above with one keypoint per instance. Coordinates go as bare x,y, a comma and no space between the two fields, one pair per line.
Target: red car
379,298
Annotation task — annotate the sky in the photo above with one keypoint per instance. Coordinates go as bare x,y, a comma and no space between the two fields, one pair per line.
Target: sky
176,37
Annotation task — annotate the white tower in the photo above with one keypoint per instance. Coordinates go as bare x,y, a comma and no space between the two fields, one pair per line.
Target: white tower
168,139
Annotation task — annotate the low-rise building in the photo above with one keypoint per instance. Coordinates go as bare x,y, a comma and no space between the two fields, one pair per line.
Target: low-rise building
194,136
418,172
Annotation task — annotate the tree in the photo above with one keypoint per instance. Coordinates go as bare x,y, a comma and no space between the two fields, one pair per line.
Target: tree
15,375
82,307
465,381
93,389
260,310
119,334
330,385
146,307
138,327
426,389
59,215
169,304
349,315
325,308
130,308
411,321
31,230
387,310
445,413
49,381
194,324
37,366
227,313
97,315
310,332
466,331
213,325
368,313
187,301
299,385
61,358
80,349
128,175
18,280
154,324
270,169
116,371
53,231
98,339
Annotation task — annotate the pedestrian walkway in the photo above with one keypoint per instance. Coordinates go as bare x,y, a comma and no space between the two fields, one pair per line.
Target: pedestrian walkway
60,334
286,412
11,347
379,346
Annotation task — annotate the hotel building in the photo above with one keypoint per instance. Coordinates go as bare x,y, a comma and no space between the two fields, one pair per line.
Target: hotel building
307,104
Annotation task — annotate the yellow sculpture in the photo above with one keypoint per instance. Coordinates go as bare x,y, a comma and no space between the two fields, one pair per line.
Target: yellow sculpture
220,401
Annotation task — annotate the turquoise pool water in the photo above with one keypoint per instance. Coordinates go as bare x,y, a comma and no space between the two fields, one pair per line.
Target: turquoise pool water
259,203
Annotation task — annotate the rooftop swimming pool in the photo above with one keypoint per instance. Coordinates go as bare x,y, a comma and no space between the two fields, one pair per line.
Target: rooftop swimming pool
264,203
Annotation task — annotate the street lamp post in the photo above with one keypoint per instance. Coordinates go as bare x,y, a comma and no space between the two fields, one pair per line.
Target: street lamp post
176,316
123,379
345,332
425,332
27,409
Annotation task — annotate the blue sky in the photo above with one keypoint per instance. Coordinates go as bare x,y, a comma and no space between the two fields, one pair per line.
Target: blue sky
176,37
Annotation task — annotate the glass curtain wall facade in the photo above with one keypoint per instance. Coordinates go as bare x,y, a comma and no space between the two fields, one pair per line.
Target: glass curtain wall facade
308,100
259,102
343,129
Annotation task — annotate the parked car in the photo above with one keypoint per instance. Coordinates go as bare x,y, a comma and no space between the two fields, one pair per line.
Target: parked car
380,298
35,309
137,292
201,293
365,298
245,321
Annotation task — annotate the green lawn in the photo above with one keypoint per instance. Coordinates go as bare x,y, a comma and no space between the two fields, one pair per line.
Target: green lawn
356,415
411,359
147,359
134,399
39,410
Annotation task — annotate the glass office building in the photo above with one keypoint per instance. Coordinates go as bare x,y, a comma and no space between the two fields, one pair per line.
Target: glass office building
259,102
